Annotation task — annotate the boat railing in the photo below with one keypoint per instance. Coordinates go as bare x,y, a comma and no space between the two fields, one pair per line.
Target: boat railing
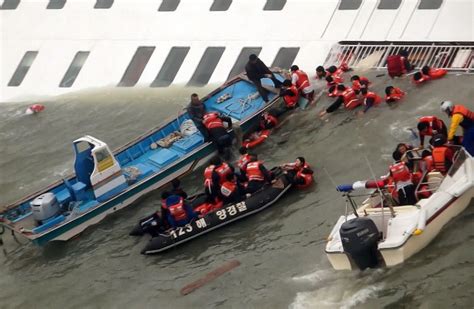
444,55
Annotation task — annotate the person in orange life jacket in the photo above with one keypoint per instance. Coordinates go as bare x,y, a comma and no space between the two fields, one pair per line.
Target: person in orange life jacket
419,78
404,186
290,94
347,97
301,80
430,126
393,94
242,162
370,99
298,171
442,154
460,116
214,176
268,120
196,111
214,124
180,213
334,90
336,73
257,175
231,190
176,189
256,69
359,82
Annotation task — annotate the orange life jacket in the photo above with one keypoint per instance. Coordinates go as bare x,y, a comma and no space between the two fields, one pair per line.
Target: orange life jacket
400,172
223,170
373,95
468,116
227,188
308,178
267,118
437,73
291,101
243,161
303,80
358,85
177,210
350,98
428,161
212,120
395,95
440,161
434,124
254,172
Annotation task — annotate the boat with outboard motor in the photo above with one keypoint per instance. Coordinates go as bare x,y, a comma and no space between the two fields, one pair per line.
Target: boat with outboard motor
376,235
106,181
164,240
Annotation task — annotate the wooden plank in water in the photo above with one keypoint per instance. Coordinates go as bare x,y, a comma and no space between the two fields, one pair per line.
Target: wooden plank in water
209,277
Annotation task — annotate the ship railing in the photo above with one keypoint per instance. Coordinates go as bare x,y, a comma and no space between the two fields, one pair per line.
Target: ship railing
373,55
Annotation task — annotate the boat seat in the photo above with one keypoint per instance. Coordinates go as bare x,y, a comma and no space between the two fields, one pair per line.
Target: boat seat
434,180
48,224
145,170
86,206
188,143
63,196
79,189
163,157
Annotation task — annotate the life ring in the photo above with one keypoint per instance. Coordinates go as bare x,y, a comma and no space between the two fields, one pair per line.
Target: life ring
437,73
256,139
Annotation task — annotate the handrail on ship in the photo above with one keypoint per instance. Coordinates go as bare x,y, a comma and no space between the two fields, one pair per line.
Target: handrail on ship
373,55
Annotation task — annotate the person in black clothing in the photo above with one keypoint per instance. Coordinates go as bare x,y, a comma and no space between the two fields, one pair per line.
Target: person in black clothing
176,189
256,70
196,111
219,134
404,54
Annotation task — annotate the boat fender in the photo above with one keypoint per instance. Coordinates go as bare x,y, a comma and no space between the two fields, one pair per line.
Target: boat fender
421,222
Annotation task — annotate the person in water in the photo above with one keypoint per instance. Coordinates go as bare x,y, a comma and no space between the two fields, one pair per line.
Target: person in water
290,94
347,97
430,126
196,111
256,70
214,123
403,152
393,94
299,172
460,116
370,99
320,72
359,83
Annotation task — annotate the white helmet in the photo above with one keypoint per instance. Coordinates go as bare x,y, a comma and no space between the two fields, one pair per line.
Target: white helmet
447,107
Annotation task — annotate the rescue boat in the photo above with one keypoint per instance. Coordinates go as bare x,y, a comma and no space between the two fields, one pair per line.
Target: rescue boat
162,241
379,234
105,181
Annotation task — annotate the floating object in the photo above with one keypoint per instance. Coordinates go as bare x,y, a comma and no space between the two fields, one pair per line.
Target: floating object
256,138
209,277
34,109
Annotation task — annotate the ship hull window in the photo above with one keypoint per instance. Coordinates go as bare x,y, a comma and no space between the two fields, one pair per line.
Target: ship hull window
103,4
9,4
220,5
55,4
274,5
389,4
170,67
74,69
349,4
285,57
168,5
430,4
136,66
206,66
23,68
242,60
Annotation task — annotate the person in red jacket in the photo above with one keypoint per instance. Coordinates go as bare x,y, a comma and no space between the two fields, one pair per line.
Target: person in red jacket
214,123
299,172
442,154
290,94
301,80
393,94
347,97
370,99
256,174
231,190
359,82
430,126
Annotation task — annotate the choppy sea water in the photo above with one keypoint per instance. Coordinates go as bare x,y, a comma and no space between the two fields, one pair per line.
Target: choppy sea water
281,250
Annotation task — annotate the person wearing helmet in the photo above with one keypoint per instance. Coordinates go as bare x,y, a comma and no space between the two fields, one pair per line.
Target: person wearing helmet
442,154
460,116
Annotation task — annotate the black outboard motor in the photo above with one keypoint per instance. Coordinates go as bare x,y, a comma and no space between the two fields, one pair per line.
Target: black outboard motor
359,238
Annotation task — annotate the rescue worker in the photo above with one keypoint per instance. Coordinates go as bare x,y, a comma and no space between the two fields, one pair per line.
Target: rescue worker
242,162
393,94
256,174
426,164
359,82
460,116
231,190
290,94
442,154
196,111
176,189
212,179
430,126
180,213
214,124
320,72
348,97
299,172
370,99
301,80
256,70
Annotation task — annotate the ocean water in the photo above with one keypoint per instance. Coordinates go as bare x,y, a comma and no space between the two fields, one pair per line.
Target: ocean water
281,250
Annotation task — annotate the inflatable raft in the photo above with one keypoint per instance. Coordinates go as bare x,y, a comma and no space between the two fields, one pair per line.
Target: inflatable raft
213,220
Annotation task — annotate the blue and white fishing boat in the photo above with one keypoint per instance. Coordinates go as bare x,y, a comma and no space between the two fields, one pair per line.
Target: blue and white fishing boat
105,181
